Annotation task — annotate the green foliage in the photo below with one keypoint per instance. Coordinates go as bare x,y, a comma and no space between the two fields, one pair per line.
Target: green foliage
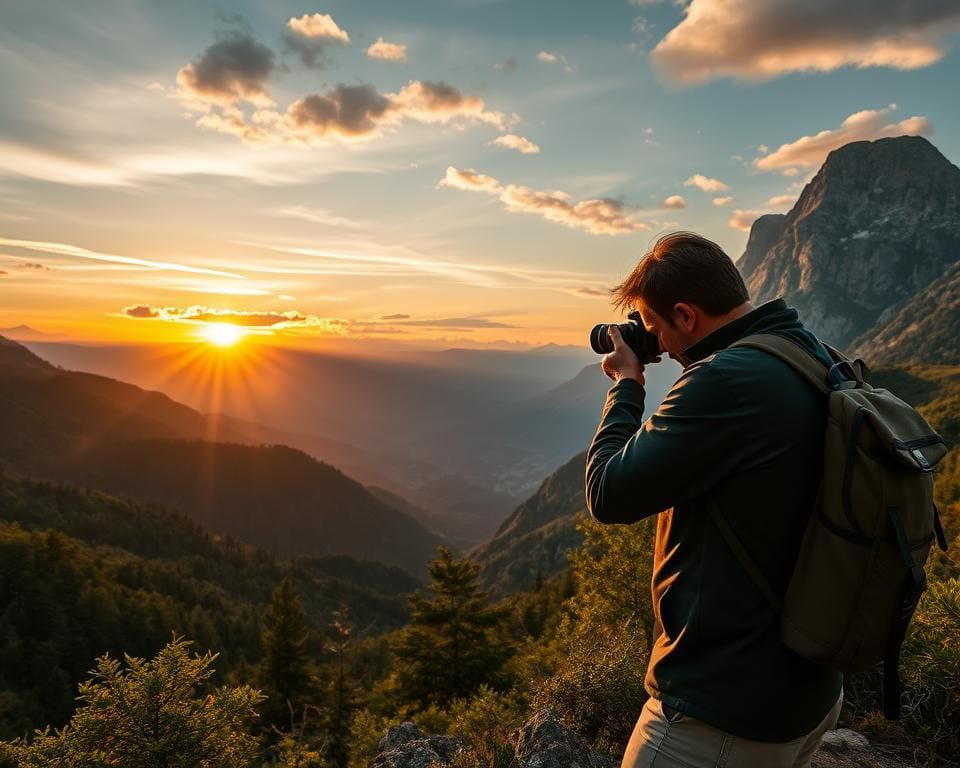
366,730
486,722
285,671
118,575
150,714
449,649
604,641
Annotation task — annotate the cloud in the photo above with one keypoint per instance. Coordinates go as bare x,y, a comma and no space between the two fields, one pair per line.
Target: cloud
319,216
345,111
519,143
4,272
743,220
141,310
356,113
385,51
706,183
722,200
33,265
233,69
64,249
547,57
674,201
604,216
397,316
318,26
866,125
469,180
782,201
462,323
507,66
761,39
588,292
247,319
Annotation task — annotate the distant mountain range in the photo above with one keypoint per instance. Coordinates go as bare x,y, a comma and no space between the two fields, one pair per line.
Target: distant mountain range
465,435
117,437
867,252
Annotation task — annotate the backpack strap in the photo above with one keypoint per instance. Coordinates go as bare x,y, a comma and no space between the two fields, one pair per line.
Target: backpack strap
791,353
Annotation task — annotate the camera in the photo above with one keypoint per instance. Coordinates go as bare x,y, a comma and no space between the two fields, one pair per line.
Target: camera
645,345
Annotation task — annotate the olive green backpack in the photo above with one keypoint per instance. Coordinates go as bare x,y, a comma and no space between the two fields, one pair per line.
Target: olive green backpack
860,571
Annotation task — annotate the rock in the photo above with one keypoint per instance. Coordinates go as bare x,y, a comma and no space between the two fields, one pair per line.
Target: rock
844,738
878,224
543,742
403,746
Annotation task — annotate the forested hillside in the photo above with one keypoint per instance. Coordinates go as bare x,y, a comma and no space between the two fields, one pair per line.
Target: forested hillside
83,573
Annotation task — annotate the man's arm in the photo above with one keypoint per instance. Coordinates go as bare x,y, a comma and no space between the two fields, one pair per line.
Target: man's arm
690,443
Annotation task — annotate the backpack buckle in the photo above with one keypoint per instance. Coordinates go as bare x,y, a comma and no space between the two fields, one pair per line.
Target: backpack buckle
838,379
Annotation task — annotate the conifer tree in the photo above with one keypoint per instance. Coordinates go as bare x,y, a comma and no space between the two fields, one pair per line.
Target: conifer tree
341,702
285,671
449,649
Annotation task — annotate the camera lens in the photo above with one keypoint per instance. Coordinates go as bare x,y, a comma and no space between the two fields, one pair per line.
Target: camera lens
600,340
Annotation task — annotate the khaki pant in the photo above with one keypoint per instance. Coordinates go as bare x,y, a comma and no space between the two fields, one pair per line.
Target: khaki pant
681,741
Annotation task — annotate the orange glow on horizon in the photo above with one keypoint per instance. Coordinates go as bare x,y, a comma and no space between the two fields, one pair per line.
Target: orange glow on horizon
223,334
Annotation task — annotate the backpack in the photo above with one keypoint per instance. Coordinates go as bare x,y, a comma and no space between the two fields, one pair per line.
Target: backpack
860,570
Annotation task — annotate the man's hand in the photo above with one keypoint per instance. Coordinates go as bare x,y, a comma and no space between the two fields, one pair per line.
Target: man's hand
622,363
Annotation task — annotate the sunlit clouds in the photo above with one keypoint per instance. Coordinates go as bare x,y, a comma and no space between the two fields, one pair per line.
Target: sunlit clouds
597,217
519,143
705,183
866,125
761,39
230,70
384,51
318,26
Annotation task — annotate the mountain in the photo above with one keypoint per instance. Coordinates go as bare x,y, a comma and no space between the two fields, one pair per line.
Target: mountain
26,333
83,573
392,421
878,223
925,327
115,436
533,541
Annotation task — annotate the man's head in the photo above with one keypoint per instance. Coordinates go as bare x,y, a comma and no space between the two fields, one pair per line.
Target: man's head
685,287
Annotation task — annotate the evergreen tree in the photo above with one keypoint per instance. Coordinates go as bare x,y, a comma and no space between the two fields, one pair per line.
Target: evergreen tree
341,702
285,671
449,650
148,714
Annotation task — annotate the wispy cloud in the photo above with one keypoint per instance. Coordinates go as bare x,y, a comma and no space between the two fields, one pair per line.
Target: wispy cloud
64,249
761,39
249,319
866,125
722,200
604,216
319,216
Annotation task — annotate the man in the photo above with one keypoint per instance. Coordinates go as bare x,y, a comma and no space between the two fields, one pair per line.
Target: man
742,430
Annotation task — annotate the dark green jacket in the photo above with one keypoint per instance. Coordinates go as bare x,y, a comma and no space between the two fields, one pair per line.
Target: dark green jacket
742,427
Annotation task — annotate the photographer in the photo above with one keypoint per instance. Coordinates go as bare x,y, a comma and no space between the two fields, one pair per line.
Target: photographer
739,429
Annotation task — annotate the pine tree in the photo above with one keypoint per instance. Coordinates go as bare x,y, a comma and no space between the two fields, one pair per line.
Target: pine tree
285,672
148,714
341,702
449,650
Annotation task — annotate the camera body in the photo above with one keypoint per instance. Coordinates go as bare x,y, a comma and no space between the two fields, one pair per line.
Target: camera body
645,345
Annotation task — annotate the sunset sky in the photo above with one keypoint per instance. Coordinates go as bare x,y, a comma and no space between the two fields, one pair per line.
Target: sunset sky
428,173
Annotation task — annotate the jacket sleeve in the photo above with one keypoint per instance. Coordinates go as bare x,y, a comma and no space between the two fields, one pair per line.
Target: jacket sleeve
688,444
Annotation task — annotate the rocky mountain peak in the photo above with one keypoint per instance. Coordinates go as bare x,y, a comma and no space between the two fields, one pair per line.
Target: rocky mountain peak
879,222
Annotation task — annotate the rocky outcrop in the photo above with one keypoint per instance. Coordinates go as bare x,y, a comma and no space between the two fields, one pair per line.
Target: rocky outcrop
878,223
924,328
543,742
403,746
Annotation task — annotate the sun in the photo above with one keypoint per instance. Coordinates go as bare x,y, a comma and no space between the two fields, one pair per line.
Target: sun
223,334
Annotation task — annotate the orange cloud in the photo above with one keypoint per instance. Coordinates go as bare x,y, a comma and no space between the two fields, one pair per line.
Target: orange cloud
318,25
522,145
674,201
706,183
761,39
743,220
866,125
598,217
722,200
248,319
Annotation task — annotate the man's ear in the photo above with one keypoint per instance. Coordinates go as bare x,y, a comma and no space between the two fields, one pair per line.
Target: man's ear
685,316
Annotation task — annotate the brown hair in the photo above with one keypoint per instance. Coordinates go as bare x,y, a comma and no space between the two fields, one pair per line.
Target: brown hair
683,267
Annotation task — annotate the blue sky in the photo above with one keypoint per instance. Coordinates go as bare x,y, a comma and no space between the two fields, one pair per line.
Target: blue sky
367,198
